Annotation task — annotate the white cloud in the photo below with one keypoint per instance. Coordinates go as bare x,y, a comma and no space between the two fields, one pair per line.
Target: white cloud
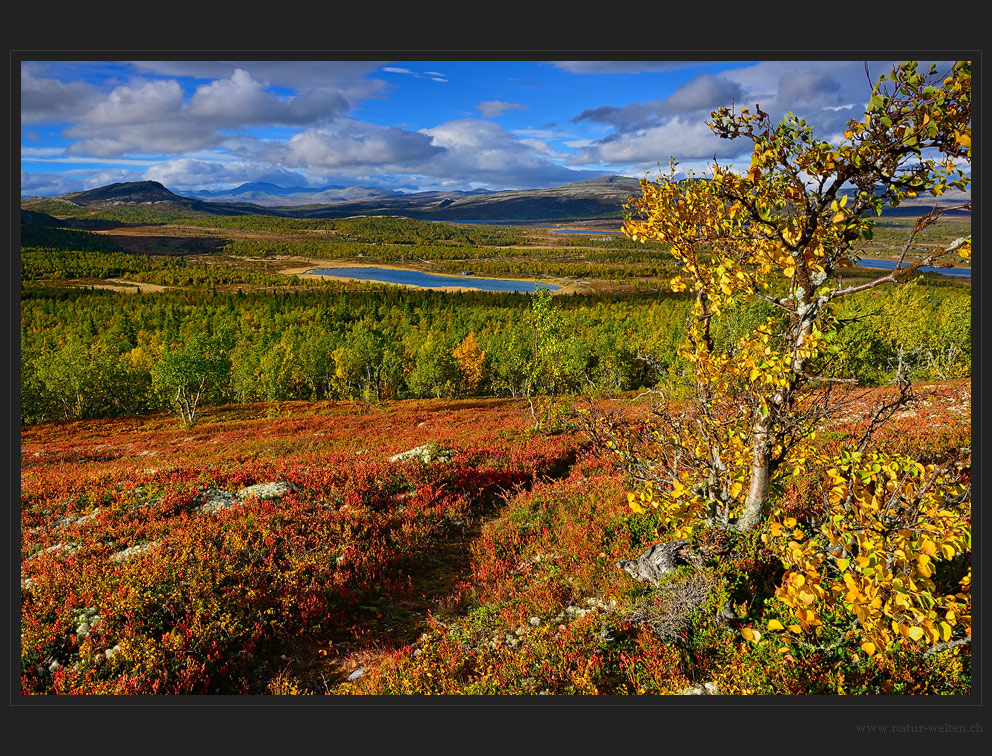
48,99
87,160
32,152
825,93
685,139
49,184
147,103
496,108
188,173
703,93
482,151
353,144
153,117
345,76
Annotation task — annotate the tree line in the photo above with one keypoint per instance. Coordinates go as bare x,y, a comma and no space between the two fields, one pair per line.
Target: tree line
99,353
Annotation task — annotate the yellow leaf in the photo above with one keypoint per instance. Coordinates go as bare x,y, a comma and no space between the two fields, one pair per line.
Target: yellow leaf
838,217
915,633
751,635
775,625
868,647
945,631
634,504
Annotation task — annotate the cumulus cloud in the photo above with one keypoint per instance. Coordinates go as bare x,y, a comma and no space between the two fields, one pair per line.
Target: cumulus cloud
153,116
48,99
496,108
683,138
827,94
49,184
703,93
483,152
146,103
242,100
192,173
343,75
353,144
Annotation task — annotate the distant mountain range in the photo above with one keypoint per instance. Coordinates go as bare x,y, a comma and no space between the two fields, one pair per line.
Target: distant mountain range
593,198
273,195
601,197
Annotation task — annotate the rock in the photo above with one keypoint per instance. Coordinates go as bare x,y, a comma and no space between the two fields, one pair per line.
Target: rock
214,500
706,689
660,559
132,551
275,490
428,453
68,548
356,674
66,522
87,619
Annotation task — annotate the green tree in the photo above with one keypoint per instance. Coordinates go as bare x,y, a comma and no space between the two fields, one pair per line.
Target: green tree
547,377
435,371
67,377
189,375
358,363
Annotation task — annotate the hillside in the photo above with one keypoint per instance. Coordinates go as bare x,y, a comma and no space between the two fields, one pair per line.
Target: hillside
140,194
277,555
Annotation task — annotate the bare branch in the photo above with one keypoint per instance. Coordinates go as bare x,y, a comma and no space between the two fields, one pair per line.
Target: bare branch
898,273
944,646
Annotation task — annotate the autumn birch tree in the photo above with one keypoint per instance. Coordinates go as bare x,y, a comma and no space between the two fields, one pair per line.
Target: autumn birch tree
777,233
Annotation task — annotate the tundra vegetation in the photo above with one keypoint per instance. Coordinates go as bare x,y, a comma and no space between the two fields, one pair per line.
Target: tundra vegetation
725,388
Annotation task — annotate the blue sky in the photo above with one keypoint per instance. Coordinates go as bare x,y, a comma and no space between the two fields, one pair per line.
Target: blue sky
404,125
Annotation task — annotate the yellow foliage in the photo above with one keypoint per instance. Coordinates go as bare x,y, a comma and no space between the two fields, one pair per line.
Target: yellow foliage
875,554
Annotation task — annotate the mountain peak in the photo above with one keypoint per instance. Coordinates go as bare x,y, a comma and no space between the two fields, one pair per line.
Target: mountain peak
127,193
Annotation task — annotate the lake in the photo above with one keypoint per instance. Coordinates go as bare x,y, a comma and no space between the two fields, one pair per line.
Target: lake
416,278
891,264
525,224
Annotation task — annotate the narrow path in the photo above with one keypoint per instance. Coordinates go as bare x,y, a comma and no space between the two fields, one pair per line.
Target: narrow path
393,622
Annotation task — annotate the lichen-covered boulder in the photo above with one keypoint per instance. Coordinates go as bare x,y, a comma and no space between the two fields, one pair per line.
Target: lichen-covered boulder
428,454
274,490
214,500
